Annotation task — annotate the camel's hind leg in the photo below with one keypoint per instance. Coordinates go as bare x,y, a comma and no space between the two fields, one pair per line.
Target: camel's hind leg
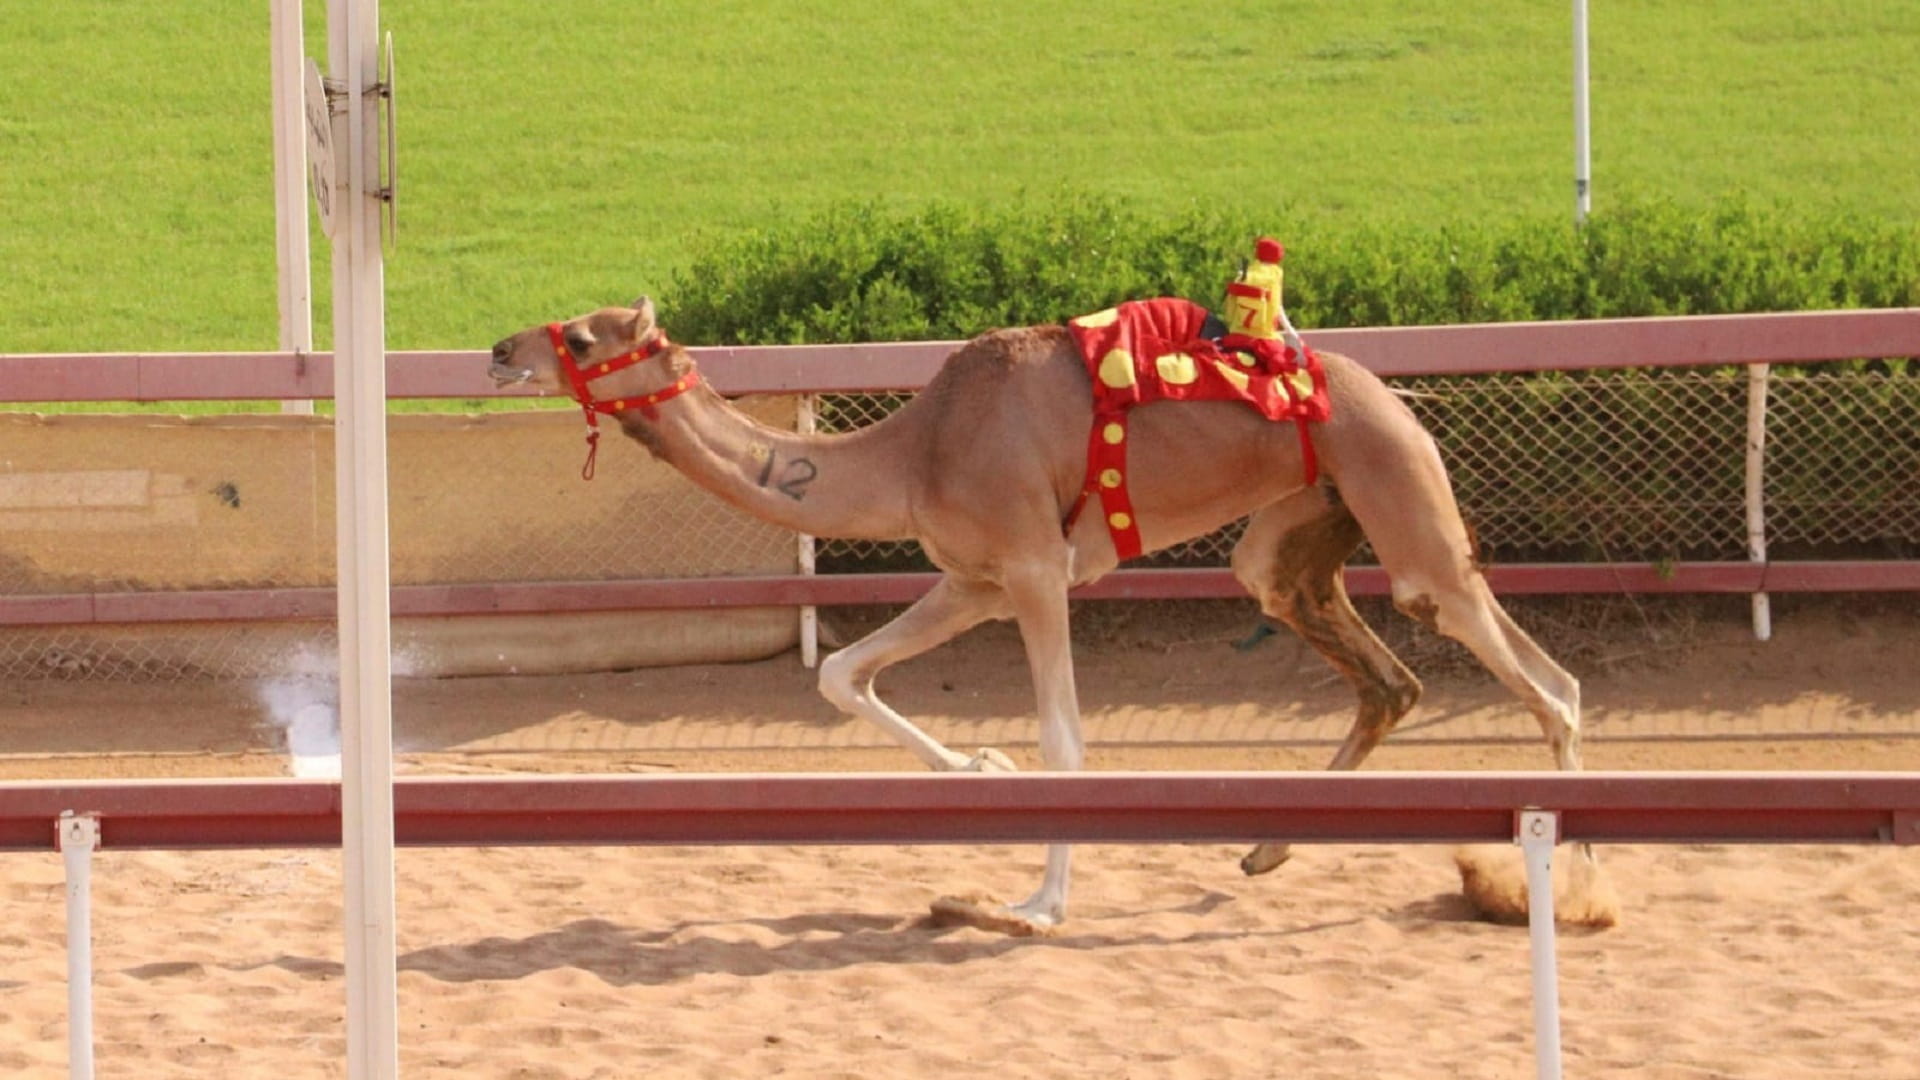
1290,560
1402,500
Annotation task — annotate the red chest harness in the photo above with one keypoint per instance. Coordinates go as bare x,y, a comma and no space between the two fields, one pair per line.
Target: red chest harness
579,379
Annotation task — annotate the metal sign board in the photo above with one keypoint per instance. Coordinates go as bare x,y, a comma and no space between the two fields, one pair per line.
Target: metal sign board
320,165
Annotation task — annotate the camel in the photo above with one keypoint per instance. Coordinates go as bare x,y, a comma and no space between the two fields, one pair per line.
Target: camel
981,467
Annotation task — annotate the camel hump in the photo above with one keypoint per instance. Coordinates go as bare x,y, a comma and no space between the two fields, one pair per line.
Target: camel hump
999,355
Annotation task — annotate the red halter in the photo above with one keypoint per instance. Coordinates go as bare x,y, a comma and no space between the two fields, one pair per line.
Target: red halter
579,379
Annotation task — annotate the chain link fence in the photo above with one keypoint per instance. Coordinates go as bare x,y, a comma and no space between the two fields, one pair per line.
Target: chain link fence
1615,466
121,505
1618,466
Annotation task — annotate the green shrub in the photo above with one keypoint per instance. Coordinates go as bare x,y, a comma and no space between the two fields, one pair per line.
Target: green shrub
861,274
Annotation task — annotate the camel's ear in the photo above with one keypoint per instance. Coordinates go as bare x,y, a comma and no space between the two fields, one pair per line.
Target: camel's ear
644,308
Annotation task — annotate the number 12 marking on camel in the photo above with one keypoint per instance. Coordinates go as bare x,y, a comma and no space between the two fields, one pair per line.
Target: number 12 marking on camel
794,476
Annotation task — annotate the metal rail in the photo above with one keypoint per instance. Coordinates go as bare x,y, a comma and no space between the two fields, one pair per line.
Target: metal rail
788,590
1107,807
1780,337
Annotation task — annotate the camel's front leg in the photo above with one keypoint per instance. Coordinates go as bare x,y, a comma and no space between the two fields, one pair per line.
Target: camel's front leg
846,678
1039,599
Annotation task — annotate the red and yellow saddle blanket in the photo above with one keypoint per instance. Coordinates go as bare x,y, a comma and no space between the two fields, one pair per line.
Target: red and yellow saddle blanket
1145,351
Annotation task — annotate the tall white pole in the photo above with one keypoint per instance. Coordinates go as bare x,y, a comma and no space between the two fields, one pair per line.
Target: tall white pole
290,185
1582,156
360,454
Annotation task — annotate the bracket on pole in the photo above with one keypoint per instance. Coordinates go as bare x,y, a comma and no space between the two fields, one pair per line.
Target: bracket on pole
1536,825
78,832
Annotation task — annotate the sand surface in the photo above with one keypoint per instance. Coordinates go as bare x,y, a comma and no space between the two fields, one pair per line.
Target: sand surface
1747,962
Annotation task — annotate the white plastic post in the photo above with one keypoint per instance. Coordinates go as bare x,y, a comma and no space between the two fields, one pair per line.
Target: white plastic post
805,424
78,835
1539,832
1757,491
360,457
1582,135
291,237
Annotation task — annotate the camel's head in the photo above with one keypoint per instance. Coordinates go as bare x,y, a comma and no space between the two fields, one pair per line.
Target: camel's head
529,358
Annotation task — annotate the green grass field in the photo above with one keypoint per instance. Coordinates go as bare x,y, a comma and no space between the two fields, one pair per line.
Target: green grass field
564,154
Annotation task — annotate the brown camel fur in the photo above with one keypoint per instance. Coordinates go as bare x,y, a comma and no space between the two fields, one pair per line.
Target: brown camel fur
980,468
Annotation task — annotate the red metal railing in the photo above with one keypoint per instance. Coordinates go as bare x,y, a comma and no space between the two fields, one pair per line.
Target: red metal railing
1412,807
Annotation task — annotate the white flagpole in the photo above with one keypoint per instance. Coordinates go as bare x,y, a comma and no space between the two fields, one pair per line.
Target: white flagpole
291,238
1582,136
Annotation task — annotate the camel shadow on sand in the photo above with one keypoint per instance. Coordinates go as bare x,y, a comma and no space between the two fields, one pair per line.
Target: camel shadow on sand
623,956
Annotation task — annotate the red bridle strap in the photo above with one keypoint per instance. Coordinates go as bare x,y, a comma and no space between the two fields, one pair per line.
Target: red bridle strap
579,378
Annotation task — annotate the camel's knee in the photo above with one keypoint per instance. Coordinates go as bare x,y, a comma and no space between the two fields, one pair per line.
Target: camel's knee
841,681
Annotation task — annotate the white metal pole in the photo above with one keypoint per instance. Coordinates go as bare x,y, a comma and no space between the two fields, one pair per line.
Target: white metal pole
79,835
1539,832
360,454
805,424
1582,144
291,237
1757,375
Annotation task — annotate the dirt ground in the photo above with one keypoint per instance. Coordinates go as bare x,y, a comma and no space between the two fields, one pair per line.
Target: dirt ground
1754,962
1666,686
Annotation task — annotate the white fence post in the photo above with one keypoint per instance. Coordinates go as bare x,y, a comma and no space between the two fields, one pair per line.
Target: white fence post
806,423
1757,490
1539,832
78,835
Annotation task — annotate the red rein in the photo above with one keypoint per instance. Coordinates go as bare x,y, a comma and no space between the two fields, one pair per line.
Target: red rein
578,380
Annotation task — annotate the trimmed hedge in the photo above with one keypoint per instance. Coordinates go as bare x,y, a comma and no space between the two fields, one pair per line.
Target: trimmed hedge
863,274
860,273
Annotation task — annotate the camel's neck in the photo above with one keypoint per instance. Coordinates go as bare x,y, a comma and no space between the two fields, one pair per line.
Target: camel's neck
850,486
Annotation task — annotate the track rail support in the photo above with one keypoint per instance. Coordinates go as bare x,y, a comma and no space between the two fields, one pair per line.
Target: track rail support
1537,831
77,836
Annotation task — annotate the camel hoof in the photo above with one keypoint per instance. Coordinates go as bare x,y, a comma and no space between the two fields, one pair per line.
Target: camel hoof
984,913
991,760
1265,858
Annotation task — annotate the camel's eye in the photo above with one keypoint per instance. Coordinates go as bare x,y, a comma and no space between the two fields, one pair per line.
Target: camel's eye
579,342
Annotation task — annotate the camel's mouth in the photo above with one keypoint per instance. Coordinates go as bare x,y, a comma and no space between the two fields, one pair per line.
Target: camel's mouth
504,376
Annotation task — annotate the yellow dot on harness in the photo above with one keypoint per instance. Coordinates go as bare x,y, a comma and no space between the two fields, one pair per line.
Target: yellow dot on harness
1177,368
604,367
1113,433
1099,319
1237,378
1120,521
1302,381
1116,369
1246,359
1110,478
